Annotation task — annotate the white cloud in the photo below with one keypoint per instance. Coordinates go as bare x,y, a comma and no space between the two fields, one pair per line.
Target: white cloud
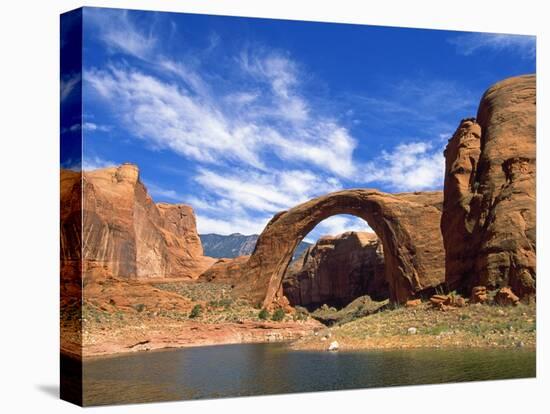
326,145
158,191
260,119
91,126
68,84
87,126
242,98
120,34
190,76
211,127
94,163
336,225
266,192
250,199
282,75
471,43
166,116
409,167
231,224
199,127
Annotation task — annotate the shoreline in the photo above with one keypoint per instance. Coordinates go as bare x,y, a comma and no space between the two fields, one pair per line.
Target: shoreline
162,318
192,334
402,343
477,326
472,326
296,345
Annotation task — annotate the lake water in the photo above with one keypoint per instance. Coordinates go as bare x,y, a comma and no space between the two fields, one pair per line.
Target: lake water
255,369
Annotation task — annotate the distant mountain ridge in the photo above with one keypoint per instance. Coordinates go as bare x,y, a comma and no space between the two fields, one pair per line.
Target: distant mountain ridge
234,245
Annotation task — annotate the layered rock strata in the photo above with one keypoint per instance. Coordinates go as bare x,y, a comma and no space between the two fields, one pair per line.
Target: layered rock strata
336,270
124,233
488,221
407,225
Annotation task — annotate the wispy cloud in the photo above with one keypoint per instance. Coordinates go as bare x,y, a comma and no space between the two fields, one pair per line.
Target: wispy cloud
158,191
416,102
93,163
92,126
409,167
468,44
197,125
230,224
87,126
191,120
336,225
253,198
120,34
68,84
167,116
258,142
266,192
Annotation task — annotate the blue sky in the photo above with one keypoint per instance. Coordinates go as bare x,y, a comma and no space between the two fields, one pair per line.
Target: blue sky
242,118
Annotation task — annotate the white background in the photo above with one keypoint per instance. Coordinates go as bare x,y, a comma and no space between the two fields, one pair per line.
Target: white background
29,56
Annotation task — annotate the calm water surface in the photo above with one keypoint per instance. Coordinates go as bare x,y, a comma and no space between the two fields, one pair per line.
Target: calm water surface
253,369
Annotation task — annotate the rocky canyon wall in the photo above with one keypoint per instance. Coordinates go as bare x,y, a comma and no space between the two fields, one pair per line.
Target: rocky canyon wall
124,233
336,270
488,221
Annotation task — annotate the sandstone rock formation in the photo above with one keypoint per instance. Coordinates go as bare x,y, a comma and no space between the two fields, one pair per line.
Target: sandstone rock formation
70,216
407,225
225,270
479,294
488,221
445,302
124,233
505,297
336,270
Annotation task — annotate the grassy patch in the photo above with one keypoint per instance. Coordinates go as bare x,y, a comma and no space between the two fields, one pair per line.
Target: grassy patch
196,311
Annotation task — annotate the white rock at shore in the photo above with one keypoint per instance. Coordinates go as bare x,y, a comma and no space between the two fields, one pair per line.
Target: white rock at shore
333,346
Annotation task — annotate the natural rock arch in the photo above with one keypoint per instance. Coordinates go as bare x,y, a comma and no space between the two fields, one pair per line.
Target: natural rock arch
406,223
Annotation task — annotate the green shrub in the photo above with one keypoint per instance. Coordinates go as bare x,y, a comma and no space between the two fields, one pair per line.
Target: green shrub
278,315
196,311
264,314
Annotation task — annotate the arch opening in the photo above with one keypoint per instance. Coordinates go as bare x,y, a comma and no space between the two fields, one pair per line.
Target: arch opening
344,262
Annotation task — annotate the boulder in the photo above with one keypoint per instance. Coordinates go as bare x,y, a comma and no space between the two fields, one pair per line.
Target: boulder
336,270
446,302
435,300
413,303
334,346
479,294
488,221
506,297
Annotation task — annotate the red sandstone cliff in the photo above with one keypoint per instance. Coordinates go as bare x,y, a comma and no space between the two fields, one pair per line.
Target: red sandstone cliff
488,221
124,233
336,270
